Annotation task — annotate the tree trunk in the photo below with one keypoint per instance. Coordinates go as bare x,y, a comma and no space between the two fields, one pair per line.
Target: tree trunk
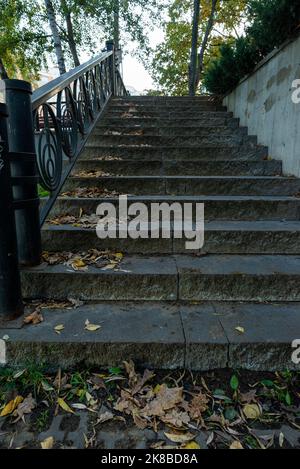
208,30
3,73
193,57
71,40
117,24
56,37
70,33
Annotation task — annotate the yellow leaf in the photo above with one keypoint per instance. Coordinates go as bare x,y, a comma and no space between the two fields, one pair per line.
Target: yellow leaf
240,329
157,388
48,443
180,438
59,328
91,327
11,406
252,411
119,255
192,445
64,405
236,445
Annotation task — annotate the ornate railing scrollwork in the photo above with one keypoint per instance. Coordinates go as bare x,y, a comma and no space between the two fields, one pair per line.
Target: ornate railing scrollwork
65,112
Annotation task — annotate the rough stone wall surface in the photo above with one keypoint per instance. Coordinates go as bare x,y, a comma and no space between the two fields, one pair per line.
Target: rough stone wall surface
263,103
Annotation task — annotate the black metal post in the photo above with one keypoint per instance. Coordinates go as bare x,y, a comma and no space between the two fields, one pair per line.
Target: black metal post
110,46
24,170
10,285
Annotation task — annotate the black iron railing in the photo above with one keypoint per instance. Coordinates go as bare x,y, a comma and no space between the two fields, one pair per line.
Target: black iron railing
46,132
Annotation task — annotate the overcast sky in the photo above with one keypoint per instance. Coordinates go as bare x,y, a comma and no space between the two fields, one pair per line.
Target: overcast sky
134,73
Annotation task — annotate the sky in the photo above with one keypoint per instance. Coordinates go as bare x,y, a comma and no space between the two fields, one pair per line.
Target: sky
134,73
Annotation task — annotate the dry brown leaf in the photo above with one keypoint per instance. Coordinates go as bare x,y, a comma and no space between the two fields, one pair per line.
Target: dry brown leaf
166,398
34,318
176,418
25,407
197,406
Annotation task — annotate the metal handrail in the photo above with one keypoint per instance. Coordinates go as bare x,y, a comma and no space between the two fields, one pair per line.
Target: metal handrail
47,91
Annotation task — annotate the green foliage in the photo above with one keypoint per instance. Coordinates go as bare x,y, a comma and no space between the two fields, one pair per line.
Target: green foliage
271,23
22,43
170,60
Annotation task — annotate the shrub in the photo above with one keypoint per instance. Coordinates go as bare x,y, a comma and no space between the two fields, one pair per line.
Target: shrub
271,23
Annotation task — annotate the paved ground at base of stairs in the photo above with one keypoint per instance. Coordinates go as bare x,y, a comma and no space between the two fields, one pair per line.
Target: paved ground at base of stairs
74,431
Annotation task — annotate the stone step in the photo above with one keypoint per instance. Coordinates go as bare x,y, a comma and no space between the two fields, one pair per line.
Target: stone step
173,168
179,277
167,131
160,336
216,207
213,153
137,122
163,108
190,185
165,99
174,140
224,237
169,114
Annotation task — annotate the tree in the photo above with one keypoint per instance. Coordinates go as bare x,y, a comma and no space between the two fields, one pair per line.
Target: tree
269,23
171,66
23,44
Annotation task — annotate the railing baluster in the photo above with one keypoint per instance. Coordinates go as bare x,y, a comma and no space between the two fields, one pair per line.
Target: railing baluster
10,286
24,170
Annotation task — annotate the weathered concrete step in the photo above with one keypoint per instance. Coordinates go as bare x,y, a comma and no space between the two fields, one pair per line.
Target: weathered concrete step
170,168
226,237
216,207
175,140
167,131
190,185
166,114
160,336
137,122
239,278
165,99
169,278
210,152
163,108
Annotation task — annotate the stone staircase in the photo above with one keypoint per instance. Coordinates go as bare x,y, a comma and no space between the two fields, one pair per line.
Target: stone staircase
235,303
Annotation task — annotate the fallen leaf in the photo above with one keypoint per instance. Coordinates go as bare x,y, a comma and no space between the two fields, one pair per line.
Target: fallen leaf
166,398
236,445
240,329
105,417
197,406
11,406
47,443
25,407
59,328
91,327
34,318
79,406
281,439
64,405
251,411
180,438
191,445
